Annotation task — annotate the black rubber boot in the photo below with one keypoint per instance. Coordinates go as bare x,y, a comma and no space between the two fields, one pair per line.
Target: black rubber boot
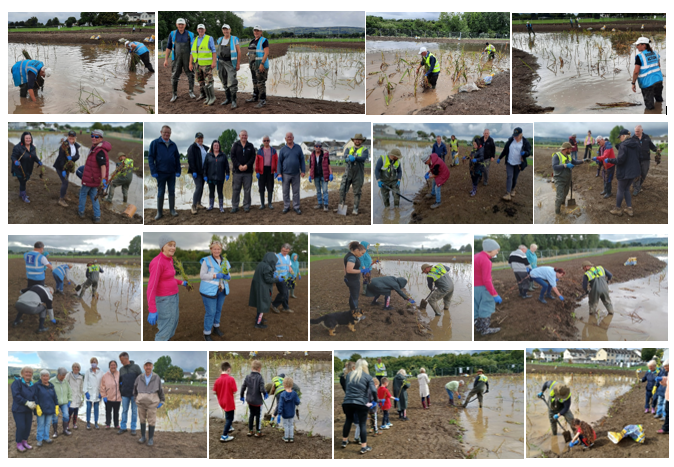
261,201
175,91
217,331
41,327
607,191
172,204
603,192
269,201
263,101
150,439
160,208
253,98
202,92
234,106
192,90
18,319
228,96
142,434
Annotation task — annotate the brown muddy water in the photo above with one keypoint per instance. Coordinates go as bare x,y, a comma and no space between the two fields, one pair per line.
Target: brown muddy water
497,429
185,190
640,311
47,150
85,79
116,314
314,379
591,397
388,61
311,72
577,71
455,325
544,205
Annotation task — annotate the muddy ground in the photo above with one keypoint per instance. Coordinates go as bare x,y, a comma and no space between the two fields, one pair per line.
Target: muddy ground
493,99
625,410
487,207
650,205
524,76
428,434
530,320
630,25
264,355
441,40
64,36
275,104
238,319
257,216
43,207
104,443
533,368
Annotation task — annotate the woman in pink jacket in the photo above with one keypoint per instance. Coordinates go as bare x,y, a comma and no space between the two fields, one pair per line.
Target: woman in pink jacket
486,297
438,173
112,397
162,291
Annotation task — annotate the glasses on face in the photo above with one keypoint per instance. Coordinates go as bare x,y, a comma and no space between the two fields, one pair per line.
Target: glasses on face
265,140
95,136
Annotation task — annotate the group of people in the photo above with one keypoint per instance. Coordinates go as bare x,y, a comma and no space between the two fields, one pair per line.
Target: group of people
48,399
287,166
255,392
657,393
94,173
197,55
281,269
630,166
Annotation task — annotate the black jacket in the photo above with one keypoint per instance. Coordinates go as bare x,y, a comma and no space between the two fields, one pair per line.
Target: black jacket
627,160
194,160
27,158
358,392
243,156
63,157
489,147
127,377
215,168
526,147
645,146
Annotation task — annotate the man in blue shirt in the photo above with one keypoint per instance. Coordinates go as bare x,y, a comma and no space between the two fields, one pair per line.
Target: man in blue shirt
291,166
439,147
178,48
164,160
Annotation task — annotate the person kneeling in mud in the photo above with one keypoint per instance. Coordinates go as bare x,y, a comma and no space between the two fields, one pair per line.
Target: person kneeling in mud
584,434
559,403
37,300
479,385
93,273
597,278
440,285
384,286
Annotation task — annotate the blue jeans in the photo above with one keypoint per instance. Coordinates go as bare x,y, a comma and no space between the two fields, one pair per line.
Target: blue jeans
125,412
65,415
546,289
451,395
660,412
435,190
43,426
162,181
167,317
213,310
574,155
59,283
229,419
455,157
95,405
321,187
91,193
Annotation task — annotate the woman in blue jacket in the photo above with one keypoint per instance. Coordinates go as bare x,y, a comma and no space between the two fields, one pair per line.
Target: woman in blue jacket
214,288
23,404
47,407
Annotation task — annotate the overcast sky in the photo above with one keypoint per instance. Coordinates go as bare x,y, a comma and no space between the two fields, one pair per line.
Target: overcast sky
612,237
393,238
188,361
566,129
183,133
399,353
186,240
289,19
70,242
430,15
466,131
43,16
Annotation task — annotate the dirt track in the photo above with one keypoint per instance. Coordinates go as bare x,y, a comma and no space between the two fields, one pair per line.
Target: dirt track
529,320
630,25
257,216
428,434
108,35
491,100
487,207
650,205
275,104
524,75
237,317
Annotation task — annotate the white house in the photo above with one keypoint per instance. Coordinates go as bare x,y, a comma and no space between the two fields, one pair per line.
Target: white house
384,130
409,134
579,355
546,356
146,16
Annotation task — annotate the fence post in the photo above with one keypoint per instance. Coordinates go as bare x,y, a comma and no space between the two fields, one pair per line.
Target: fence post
242,267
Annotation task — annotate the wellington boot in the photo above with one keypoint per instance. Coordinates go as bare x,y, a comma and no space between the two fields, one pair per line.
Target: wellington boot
228,98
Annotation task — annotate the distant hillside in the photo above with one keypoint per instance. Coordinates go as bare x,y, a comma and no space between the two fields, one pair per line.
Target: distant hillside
19,249
649,241
326,31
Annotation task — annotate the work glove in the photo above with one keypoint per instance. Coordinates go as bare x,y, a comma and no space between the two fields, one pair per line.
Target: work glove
223,276
184,283
556,416
382,400
352,158
459,396
280,178
265,396
154,175
540,394
594,159
498,299
310,179
573,443
105,399
160,404
275,175
528,269
395,398
278,420
17,163
30,405
194,175
331,178
205,178
427,176
523,153
39,411
86,394
242,399
178,174
398,183
561,298
569,165
473,161
258,176
379,183
39,163
412,301
63,173
70,402
498,161
69,158
281,279
152,319
105,184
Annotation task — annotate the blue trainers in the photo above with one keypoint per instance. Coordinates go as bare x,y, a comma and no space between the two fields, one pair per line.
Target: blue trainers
226,438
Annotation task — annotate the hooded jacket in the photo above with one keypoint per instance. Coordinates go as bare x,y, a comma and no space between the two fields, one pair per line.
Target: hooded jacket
194,163
385,285
263,280
295,265
287,402
627,161
216,168
76,383
439,169
253,389
359,392
127,376
606,152
366,259
110,386
45,397
400,385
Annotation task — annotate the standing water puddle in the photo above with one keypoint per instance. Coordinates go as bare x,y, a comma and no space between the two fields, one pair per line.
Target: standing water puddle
314,379
455,325
116,315
389,62
47,150
544,205
497,429
77,72
591,397
640,311
579,70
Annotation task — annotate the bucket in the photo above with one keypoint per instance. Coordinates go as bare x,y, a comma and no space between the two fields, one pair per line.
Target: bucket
130,210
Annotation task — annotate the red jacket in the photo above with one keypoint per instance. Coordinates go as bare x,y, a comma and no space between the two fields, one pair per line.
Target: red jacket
438,165
573,143
259,160
606,154
325,163
382,393
91,176
225,388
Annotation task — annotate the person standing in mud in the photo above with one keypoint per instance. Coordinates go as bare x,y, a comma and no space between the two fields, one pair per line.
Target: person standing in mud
480,388
258,56
93,272
60,275
352,272
366,267
354,172
562,164
143,53
627,170
203,55
440,285
243,156
266,165
490,51
454,146
36,264
431,66
606,152
291,169
477,165
196,157
294,276
75,380
533,261
216,173
487,143
149,395
589,141
440,148
95,175
127,377
178,48
320,172
597,278
164,161
283,271
438,173
388,173
559,403
521,268
380,371
28,76
23,405
400,387
359,389
485,295
91,387
648,73
122,176
229,64
645,147
24,158
515,151
111,395
214,288
424,390
261,288
69,153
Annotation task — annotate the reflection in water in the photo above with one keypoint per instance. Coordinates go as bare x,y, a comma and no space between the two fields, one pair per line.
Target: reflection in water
544,205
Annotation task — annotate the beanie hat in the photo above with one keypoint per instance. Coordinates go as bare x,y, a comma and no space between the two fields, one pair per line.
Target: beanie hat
490,245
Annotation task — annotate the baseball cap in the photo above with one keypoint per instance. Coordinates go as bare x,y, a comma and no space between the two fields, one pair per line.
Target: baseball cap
624,131
199,135
226,26
257,28
181,21
201,26
422,50
642,40
517,131
72,133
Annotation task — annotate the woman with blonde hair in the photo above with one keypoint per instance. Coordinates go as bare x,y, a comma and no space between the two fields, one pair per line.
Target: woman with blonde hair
359,389
23,404
214,288
424,390
75,380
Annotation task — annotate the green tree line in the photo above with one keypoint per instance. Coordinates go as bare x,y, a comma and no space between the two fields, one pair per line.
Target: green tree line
471,22
553,242
86,19
166,22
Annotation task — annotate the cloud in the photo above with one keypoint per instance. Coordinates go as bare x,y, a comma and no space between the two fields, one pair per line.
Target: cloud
288,19
415,240
188,361
70,242
186,240
466,131
566,129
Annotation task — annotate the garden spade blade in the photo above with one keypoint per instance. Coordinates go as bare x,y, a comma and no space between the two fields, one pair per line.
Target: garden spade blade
571,201
341,209
424,302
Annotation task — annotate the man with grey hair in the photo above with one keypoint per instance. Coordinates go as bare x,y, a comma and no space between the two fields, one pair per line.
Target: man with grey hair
164,161
520,265
645,147
149,395
178,49
489,146
291,167
64,396
243,162
283,271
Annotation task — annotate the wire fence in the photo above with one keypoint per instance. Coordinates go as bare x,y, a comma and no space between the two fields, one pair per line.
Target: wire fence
424,34
238,269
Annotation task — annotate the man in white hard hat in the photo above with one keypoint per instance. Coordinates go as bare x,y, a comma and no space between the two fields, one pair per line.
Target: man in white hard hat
431,65
202,56
258,56
178,48
648,72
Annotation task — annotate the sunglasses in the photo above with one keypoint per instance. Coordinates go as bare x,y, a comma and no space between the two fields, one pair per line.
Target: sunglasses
265,140
95,136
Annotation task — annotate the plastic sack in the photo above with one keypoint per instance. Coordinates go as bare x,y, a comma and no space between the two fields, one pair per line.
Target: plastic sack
636,432
487,79
469,88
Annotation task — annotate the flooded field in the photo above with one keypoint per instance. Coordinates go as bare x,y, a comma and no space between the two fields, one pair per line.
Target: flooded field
185,190
85,79
640,311
591,396
311,72
48,150
314,379
455,325
578,71
497,429
393,84
116,315
544,205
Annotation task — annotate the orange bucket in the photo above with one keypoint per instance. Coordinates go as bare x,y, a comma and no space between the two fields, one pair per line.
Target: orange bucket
130,210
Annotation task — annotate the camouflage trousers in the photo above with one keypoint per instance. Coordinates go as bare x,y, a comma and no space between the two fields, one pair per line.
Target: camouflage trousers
204,75
259,79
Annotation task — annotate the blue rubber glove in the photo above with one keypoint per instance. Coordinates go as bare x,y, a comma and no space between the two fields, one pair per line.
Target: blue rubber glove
561,298
412,301
223,276
281,279
395,398
528,269
299,278
184,283
69,158
17,163
63,173
569,165
154,175
243,400
594,159
278,420
498,299
556,416
427,176
275,174
69,282
105,184
265,396
258,176
178,174
498,161
523,153
459,396
574,443
280,178
160,404
398,183
352,158
540,394
379,183
331,178
194,175
105,399
152,319
205,178
53,321
309,179
39,163
226,178
473,161
86,394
